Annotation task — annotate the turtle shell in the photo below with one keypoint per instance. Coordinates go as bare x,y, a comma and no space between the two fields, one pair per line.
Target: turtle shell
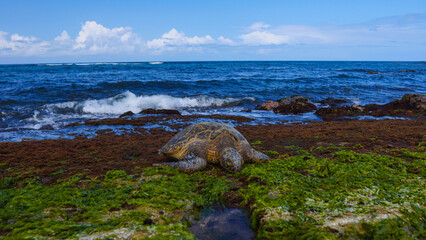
202,131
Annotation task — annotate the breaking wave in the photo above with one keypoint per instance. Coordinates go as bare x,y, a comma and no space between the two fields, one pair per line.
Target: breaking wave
128,101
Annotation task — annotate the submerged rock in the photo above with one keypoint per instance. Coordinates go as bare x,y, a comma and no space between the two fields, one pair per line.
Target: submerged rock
160,111
47,127
290,105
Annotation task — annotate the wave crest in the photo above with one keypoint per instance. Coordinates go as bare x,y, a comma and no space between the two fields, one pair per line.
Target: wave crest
128,101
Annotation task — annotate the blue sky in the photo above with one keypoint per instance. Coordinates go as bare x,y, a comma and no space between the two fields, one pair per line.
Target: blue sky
79,31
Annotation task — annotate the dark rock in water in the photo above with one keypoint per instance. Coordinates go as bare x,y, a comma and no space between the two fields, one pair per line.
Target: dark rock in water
372,72
128,113
333,102
408,71
46,127
410,105
331,113
148,221
291,105
415,100
160,111
294,105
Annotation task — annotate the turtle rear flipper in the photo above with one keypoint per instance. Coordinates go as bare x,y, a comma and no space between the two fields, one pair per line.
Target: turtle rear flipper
188,164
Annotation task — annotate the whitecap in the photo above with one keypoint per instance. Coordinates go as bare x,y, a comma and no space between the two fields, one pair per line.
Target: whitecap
128,101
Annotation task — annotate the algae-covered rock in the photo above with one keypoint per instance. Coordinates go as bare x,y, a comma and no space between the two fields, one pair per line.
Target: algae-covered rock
350,195
291,105
410,105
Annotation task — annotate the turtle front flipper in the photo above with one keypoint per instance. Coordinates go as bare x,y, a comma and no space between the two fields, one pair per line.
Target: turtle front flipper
189,163
257,156
251,155
231,160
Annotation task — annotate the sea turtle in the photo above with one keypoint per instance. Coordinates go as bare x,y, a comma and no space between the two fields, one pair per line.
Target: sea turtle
209,142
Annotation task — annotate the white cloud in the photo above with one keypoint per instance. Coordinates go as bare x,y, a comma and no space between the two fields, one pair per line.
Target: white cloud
262,38
257,38
63,37
176,38
19,38
225,41
94,37
21,45
258,26
263,34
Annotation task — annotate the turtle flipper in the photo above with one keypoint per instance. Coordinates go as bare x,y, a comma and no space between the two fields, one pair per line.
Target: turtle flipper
231,160
252,155
188,164
257,156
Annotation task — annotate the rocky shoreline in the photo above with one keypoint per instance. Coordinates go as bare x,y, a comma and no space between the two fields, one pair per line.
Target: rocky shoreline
332,163
329,179
410,105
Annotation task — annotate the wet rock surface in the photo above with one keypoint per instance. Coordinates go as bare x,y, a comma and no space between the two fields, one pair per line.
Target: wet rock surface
410,105
291,105
333,102
160,111
127,114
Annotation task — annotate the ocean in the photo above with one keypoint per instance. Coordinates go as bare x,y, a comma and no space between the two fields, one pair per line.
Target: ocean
38,101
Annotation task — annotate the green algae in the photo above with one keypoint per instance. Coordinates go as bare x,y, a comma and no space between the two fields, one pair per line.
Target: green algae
410,224
349,195
289,191
83,206
272,153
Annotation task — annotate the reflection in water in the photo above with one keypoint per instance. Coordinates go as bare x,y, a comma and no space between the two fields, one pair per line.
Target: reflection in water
223,223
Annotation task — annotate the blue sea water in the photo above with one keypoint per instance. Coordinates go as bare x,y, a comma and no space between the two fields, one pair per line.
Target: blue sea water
34,96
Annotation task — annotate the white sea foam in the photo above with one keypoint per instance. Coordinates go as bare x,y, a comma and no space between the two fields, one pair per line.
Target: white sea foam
155,62
128,101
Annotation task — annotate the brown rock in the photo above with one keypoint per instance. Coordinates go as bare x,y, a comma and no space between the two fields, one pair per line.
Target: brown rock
269,105
290,105
415,100
410,105
160,111
294,105
333,102
128,113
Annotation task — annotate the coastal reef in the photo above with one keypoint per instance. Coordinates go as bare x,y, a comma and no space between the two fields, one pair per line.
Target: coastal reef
352,179
410,105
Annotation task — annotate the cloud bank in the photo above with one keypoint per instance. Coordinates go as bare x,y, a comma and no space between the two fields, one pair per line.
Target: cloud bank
94,39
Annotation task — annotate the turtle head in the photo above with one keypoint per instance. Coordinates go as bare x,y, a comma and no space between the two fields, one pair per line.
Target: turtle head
232,160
